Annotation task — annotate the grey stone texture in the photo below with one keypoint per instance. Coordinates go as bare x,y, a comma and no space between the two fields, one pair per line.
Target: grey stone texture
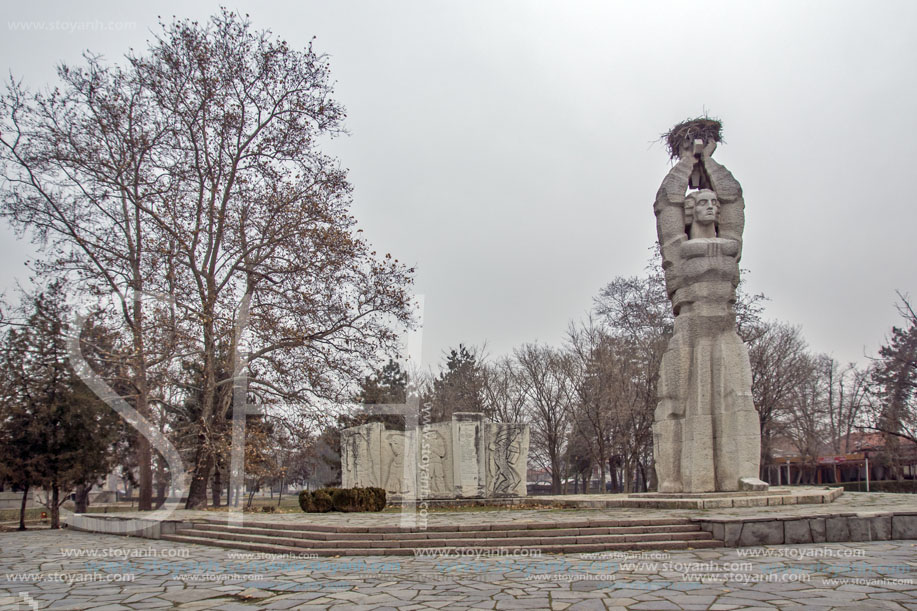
706,431
464,458
872,575
790,530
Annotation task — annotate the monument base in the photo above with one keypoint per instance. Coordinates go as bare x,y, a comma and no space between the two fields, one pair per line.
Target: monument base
725,500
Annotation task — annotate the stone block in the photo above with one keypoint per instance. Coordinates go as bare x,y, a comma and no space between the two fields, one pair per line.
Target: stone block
761,533
732,531
880,528
798,531
837,529
468,454
859,529
752,484
818,529
716,529
904,527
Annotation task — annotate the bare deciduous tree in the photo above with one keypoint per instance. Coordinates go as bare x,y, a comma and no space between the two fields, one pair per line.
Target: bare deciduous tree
549,393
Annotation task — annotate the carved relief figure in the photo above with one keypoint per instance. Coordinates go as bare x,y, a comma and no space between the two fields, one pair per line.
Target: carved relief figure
355,457
394,481
505,450
706,432
436,447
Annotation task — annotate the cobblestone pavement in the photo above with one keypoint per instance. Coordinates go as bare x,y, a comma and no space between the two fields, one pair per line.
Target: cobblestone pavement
849,502
76,570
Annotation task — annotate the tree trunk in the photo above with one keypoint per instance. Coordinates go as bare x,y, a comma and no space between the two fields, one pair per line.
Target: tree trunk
216,488
145,485
82,498
55,505
555,475
161,483
203,465
25,500
144,452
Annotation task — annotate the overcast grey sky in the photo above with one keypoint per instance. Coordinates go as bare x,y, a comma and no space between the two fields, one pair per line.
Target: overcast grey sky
506,148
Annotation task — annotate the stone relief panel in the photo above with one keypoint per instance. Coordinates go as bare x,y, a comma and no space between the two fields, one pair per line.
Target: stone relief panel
435,477
463,458
507,450
360,447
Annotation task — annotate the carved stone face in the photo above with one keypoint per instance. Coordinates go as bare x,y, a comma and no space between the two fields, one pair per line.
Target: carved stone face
701,207
706,208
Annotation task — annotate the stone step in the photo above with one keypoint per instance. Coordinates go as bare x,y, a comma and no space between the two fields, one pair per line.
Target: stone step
578,548
440,534
324,528
495,541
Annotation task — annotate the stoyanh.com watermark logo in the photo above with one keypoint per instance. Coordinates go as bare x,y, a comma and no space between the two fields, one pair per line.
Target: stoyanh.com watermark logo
70,27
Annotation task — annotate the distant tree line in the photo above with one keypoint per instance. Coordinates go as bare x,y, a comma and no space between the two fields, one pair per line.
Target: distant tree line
590,402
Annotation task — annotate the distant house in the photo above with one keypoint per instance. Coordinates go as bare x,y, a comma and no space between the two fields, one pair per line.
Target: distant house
857,450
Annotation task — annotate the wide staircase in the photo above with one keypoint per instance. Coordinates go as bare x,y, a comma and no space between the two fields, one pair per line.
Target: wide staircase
549,537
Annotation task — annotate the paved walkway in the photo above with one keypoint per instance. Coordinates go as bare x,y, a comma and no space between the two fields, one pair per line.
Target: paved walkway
76,570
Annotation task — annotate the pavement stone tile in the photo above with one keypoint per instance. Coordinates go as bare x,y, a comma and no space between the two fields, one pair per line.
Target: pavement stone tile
423,584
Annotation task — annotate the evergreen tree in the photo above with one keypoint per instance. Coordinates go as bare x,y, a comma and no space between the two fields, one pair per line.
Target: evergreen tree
895,386
460,387
54,432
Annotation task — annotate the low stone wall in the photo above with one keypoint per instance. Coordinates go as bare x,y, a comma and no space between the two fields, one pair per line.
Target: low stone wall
132,527
13,500
831,528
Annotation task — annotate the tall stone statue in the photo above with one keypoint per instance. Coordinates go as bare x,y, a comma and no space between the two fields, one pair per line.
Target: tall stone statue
706,434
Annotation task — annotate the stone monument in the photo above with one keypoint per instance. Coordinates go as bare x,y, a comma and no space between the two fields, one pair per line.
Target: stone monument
706,434
464,458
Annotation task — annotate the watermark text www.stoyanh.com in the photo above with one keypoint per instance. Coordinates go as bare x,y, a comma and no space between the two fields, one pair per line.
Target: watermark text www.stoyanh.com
67,27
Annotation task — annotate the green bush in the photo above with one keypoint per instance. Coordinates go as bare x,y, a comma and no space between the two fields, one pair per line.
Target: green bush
905,486
345,499
321,501
305,501
342,499
377,496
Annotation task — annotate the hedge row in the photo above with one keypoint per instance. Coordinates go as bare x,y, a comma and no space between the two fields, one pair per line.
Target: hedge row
907,485
342,499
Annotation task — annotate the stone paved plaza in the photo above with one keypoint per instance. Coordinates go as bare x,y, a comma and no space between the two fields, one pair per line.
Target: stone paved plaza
76,570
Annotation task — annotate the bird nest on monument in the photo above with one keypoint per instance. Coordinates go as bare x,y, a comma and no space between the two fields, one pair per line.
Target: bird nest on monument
689,130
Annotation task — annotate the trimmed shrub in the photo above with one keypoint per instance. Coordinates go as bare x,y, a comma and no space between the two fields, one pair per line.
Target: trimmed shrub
904,486
305,501
377,498
321,501
345,499
342,499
